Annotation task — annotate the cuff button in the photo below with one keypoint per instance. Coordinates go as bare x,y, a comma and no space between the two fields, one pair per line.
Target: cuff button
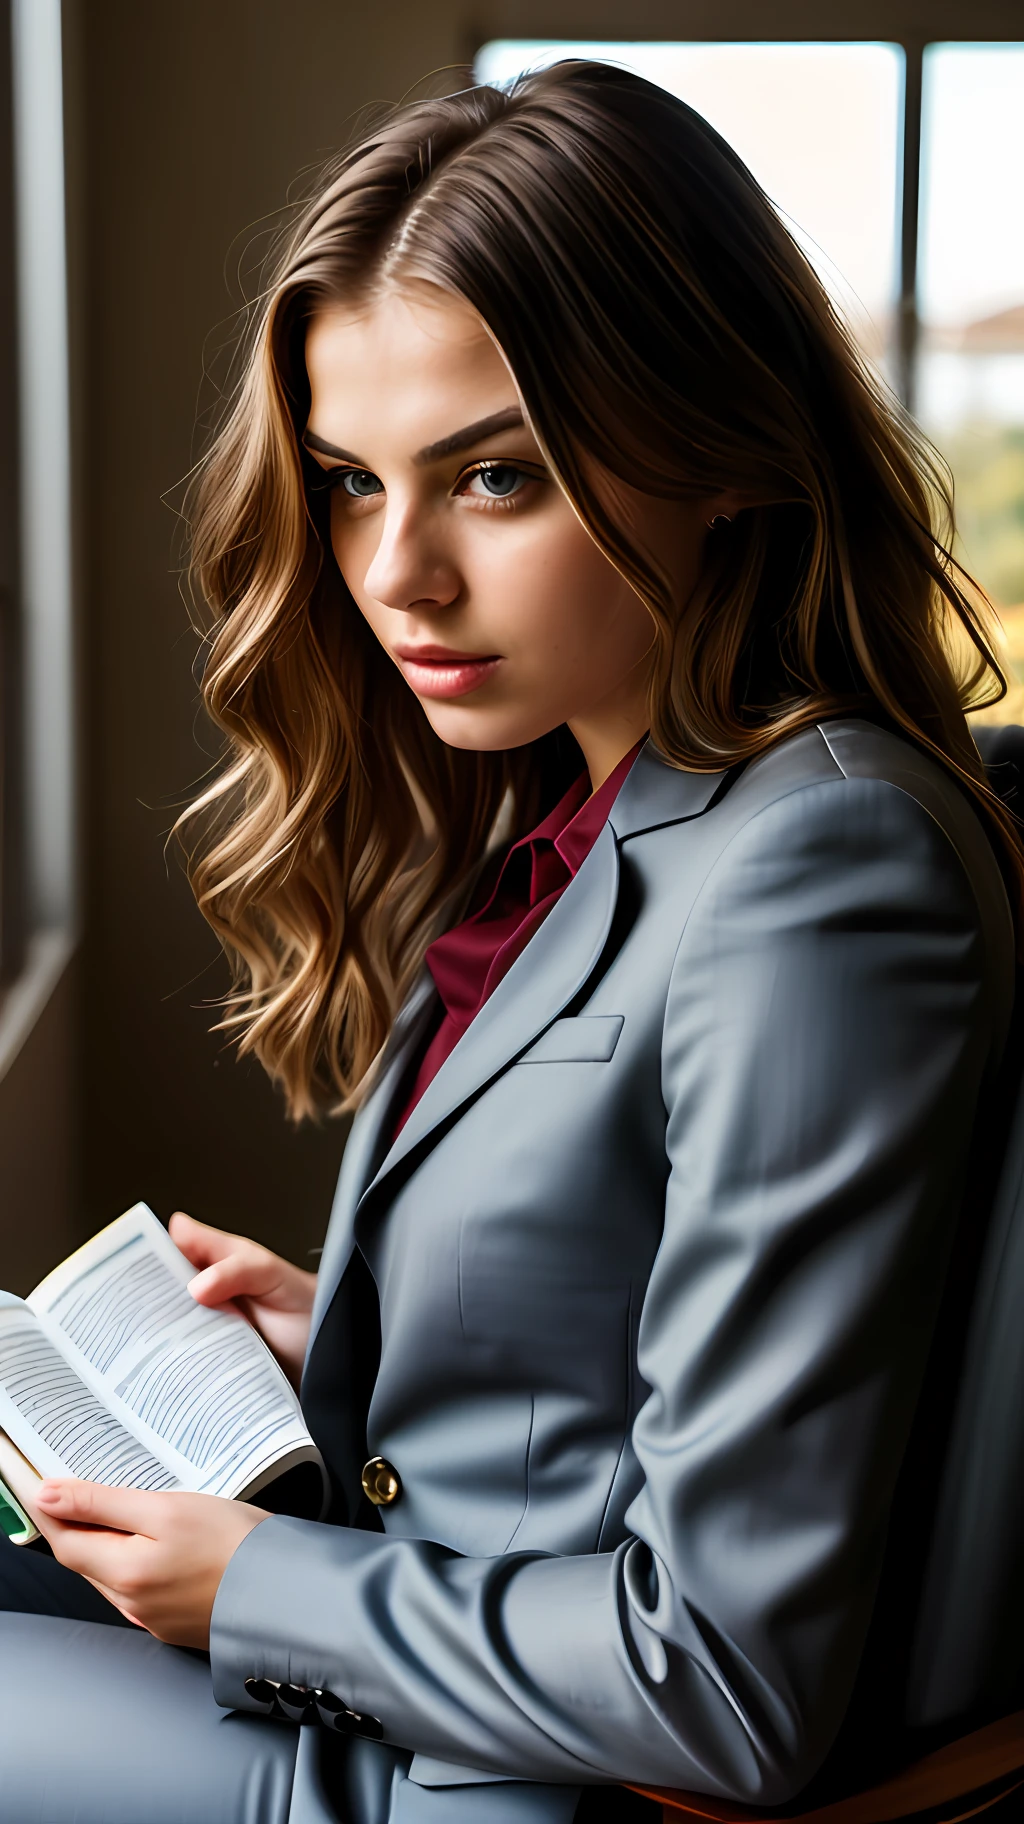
261,1690
296,1703
337,1715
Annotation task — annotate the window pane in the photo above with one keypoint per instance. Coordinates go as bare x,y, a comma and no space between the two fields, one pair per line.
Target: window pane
970,393
12,858
818,124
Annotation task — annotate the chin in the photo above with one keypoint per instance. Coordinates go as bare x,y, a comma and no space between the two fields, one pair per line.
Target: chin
477,732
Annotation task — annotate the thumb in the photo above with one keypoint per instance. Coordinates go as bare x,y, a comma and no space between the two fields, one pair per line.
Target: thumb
123,1510
200,1244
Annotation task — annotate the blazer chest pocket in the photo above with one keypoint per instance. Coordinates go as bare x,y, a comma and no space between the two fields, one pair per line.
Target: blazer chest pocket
589,1039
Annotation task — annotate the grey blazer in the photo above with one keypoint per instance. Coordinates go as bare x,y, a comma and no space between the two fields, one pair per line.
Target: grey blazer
659,1255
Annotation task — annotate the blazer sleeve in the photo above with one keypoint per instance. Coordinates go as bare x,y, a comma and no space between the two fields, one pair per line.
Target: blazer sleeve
829,1018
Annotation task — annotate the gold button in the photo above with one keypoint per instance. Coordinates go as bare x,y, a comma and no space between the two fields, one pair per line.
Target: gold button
381,1482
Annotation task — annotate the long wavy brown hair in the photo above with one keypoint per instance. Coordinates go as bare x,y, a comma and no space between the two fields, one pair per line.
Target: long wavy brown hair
663,327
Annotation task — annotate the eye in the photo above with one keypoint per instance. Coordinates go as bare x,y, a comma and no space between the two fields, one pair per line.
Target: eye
359,484
498,480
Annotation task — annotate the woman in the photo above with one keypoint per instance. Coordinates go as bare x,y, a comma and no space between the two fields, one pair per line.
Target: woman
583,627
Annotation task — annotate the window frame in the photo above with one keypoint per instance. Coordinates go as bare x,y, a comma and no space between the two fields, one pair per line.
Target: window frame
12,817
38,722
912,25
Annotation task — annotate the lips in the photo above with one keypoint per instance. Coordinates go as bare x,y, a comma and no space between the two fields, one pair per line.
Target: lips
436,671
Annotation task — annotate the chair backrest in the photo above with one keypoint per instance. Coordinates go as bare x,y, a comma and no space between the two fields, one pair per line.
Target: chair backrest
967,1646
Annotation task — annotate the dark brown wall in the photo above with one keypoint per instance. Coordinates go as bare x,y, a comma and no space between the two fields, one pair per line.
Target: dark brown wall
189,120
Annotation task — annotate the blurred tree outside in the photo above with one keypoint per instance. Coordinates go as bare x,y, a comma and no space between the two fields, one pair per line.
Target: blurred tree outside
970,366
987,461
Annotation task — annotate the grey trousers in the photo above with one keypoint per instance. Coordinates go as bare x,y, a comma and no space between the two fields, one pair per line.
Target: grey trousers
102,1724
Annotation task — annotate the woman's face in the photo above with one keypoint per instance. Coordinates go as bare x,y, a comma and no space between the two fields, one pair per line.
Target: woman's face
463,554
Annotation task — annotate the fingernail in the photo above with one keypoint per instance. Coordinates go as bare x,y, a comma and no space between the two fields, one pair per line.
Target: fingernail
49,1492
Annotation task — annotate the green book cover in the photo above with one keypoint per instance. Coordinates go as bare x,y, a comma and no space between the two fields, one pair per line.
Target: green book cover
14,1522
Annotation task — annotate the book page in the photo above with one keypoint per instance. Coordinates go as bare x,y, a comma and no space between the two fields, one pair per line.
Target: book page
55,1418
199,1386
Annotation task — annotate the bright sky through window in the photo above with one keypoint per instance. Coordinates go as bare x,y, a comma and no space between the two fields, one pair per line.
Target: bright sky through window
972,216
818,124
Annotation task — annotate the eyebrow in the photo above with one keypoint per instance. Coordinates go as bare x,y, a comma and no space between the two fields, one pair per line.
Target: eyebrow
507,420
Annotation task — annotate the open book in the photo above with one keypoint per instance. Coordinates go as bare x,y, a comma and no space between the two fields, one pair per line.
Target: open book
110,1371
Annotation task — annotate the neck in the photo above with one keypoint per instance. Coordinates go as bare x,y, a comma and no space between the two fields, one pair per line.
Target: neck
604,744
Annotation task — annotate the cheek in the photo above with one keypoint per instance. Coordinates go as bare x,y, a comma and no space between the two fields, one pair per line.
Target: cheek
573,602
353,542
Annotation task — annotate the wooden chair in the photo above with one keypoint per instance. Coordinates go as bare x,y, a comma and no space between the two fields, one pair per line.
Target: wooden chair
979,1771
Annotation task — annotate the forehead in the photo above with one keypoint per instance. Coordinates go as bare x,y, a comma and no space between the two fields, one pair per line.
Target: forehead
406,367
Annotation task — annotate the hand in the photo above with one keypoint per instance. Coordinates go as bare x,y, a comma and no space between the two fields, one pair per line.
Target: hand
157,1558
276,1297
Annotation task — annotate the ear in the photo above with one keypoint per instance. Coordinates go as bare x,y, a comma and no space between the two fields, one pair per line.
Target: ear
724,505
732,500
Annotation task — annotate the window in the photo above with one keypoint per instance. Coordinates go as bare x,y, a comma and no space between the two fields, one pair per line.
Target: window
970,368
37,907
12,921
772,101
910,210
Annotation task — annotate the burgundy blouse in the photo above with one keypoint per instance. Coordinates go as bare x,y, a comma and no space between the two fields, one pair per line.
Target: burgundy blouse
518,891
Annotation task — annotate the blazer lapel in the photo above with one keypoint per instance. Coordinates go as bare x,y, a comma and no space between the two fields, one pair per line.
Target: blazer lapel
655,793
555,963
560,955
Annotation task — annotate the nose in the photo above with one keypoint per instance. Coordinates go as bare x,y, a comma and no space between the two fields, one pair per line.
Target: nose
410,566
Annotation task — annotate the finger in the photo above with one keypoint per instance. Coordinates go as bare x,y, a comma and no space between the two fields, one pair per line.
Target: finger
121,1510
200,1243
244,1275
230,1265
109,1561
104,1557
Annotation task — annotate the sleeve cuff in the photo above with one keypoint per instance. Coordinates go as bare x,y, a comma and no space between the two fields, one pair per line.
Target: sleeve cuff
260,1627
